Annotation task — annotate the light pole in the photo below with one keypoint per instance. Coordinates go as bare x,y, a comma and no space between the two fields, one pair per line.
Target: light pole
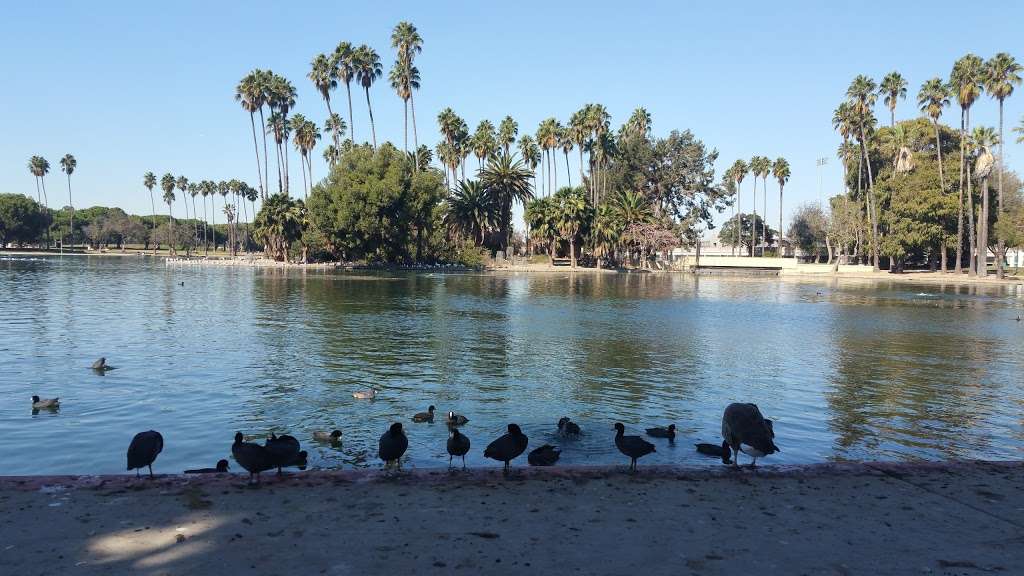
821,162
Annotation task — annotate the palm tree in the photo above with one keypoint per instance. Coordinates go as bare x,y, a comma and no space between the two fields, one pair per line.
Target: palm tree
222,188
738,170
1001,74
276,125
408,43
471,211
600,146
330,155
566,142
484,142
208,188
306,135
193,191
965,83
780,169
182,184
368,69
508,129
604,232
149,181
249,93
404,77
336,127
282,98
572,206
843,121
540,215
325,77
755,171
167,184
507,181
892,88
40,167
764,172
579,132
862,96
530,153
983,138
1020,130
68,165
345,70
638,125
547,138
932,98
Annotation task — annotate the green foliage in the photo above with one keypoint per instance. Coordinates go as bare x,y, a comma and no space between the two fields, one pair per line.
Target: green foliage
727,235
22,220
808,229
279,224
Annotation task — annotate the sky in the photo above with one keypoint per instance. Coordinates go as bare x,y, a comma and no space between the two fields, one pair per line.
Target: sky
130,87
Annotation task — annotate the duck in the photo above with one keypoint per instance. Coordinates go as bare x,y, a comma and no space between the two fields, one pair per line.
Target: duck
456,419
221,468
392,445
284,451
633,446
251,456
568,427
744,429
101,365
427,416
45,403
143,450
723,451
660,432
334,436
458,445
368,394
546,455
508,446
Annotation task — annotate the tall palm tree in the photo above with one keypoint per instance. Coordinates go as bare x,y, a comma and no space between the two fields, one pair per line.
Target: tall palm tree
404,77
368,70
983,138
931,99
780,169
208,188
406,40
755,171
566,142
182,184
68,165
336,127
325,77
862,95
572,207
547,138
639,124
738,171
222,188
508,129
472,212
249,93
276,125
764,172
345,70
283,96
965,82
580,134
484,142
892,88
1002,73
600,146
193,191
530,153
167,183
149,181
507,181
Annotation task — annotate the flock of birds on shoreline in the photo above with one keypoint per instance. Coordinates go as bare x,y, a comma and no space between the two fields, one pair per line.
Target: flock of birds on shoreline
744,429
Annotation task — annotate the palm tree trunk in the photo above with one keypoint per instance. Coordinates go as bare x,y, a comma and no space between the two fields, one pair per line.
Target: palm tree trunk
753,221
960,208
309,170
195,222
187,250
983,230
780,221
1001,248
170,231
873,209
405,127
351,124
71,231
582,179
302,164
266,173
764,219
938,151
152,205
213,222
373,128
739,216
334,133
287,187
568,175
256,147
415,138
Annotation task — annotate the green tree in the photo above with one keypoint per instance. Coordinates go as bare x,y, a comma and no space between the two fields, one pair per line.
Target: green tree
149,181
344,61
932,98
747,224
507,181
485,142
404,78
572,218
965,82
324,77
250,94
738,170
508,129
780,169
182,183
809,231
541,215
605,233
471,212
983,139
167,183
406,40
368,69
279,223
892,89
1002,73
68,165
861,94
21,220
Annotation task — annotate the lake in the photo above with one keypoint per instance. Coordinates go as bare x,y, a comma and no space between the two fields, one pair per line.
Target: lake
848,370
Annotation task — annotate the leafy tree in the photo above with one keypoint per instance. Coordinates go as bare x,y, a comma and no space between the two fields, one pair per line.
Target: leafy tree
471,212
22,220
892,89
573,215
278,224
809,231
507,181
748,223
541,215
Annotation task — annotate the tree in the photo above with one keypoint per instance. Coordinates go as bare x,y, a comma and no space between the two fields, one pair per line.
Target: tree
541,216
368,69
508,129
844,225
408,43
167,184
344,61
862,97
809,231
1001,75
983,138
507,181
760,167
149,181
21,220
404,78
893,88
485,142
530,153
471,212
182,184
547,139
324,77
193,191
780,169
249,93
965,83
565,141
68,165
932,98
572,218
738,170
40,167
747,223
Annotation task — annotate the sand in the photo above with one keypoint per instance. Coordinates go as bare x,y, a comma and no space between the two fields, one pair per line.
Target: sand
962,518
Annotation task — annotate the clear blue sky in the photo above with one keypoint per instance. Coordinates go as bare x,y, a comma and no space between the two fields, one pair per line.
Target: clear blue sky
129,87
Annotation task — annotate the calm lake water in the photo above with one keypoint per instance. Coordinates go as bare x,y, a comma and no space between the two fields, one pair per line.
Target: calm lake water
848,370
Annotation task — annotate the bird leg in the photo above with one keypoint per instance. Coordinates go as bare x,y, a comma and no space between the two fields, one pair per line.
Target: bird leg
463,461
150,470
449,461
137,475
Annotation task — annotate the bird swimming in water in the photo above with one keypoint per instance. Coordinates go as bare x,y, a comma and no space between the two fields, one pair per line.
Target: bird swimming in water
546,455
368,394
456,419
633,446
45,403
334,436
101,365
251,456
744,429
508,446
222,467
392,445
285,451
567,427
458,445
723,451
662,432
143,450
427,416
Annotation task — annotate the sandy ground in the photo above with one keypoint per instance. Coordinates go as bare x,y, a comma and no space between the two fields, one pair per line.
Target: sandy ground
872,519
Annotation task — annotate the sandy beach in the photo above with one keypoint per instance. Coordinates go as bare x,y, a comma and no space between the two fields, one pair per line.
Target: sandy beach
960,518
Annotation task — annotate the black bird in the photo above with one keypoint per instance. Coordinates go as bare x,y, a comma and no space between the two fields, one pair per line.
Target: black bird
745,429
251,456
723,451
222,467
633,446
456,419
45,403
546,455
143,450
508,446
1018,317
660,432
392,445
458,445
568,427
427,416
101,365
284,450
334,436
